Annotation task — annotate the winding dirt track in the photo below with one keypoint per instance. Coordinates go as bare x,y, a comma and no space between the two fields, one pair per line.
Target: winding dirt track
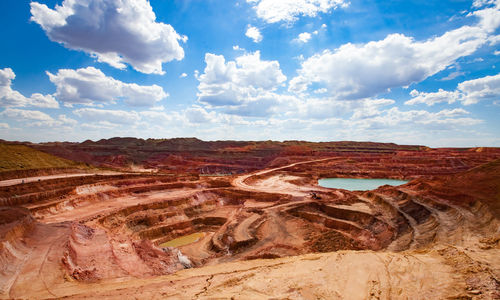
48,177
274,184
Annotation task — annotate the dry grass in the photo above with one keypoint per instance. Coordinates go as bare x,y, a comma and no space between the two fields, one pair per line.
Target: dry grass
20,157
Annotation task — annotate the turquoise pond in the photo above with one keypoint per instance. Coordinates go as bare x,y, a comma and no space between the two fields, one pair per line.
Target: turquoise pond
357,184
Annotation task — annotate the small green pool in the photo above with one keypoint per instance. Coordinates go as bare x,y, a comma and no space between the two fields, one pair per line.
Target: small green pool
358,184
184,240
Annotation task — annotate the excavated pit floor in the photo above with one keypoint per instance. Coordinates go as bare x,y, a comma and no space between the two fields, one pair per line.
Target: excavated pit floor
184,240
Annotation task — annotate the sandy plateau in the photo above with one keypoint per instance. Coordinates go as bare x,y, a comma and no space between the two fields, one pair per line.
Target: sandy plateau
266,230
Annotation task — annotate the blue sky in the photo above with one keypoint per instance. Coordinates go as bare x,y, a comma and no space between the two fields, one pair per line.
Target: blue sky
409,72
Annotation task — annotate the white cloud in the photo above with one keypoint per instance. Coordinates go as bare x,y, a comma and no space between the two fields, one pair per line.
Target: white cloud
273,11
304,37
35,118
91,86
494,39
157,108
238,48
433,98
356,71
468,92
320,91
21,114
111,116
66,120
485,88
9,97
360,71
47,101
117,32
13,98
197,114
442,120
481,3
99,126
244,86
254,34
369,108
183,75
453,75
325,108
489,17
159,116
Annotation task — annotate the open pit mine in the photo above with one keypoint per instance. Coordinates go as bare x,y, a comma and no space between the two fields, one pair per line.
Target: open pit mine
128,218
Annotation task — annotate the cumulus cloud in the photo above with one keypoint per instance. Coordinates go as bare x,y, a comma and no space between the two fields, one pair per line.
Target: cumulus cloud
254,34
485,88
481,3
273,11
326,108
237,85
238,48
92,86
441,120
66,120
468,92
183,75
196,114
102,125
116,32
13,113
35,118
320,91
111,116
355,71
432,98
489,17
494,40
361,71
304,37
161,118
13,98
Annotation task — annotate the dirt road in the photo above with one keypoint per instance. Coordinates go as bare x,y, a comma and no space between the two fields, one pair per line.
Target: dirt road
275,184
10,182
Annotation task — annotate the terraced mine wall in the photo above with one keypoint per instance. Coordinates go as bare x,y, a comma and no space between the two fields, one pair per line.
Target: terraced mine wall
60,235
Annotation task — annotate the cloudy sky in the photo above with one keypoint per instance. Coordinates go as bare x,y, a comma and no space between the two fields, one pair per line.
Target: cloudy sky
409,72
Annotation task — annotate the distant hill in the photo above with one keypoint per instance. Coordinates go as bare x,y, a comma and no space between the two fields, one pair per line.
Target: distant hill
194,155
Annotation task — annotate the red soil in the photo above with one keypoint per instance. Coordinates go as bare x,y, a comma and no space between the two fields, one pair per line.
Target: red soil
63,234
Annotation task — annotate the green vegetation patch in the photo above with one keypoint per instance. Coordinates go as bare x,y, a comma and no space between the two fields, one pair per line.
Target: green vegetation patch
184,240
20,157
